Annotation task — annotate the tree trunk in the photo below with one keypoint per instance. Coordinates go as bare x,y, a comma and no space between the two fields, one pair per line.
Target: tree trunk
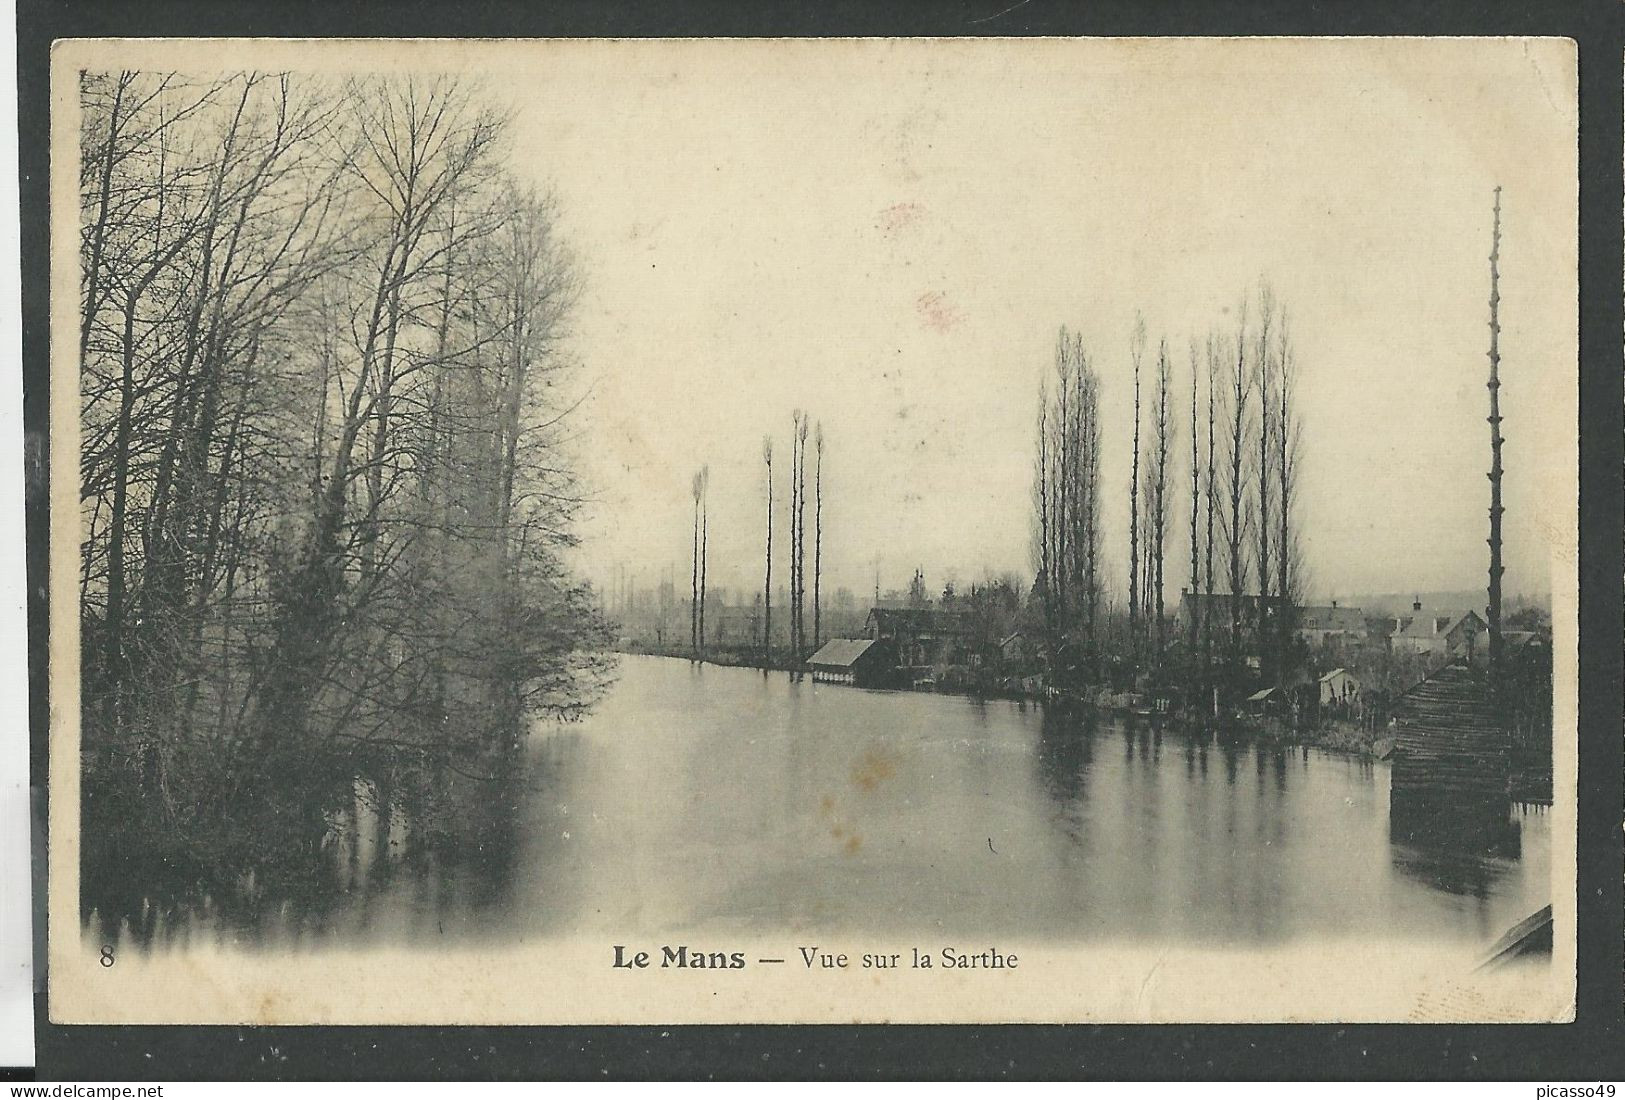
1134,505
818,540
767,583
1494,387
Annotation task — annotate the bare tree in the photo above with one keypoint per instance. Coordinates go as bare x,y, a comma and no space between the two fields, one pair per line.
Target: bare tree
1191,624
1066,505
705,534
767,583
818,535
797,489
1237,520
1090,492
697,489
1263,371
1209,587
325,472
412,147
795,539
1494,387
1065,455
1136,353
1042,541
1165,431
1288,443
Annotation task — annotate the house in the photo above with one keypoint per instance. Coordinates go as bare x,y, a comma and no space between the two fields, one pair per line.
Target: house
1448,633
1214,607
1339,687
861,662
923,636
734,625
1525,645
1330,625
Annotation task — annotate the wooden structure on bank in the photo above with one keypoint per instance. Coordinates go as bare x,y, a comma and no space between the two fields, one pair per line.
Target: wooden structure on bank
861,662
1451,758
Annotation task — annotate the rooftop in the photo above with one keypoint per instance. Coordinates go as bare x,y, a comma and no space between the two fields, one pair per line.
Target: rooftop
840,652
918,619
1331,617
1436,622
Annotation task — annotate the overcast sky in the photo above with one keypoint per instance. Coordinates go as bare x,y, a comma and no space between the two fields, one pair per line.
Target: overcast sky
889,233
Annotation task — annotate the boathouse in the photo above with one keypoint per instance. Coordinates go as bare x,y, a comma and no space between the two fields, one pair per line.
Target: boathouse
1451,758
862,662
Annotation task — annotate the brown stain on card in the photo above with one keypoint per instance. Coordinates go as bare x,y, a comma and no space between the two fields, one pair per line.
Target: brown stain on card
268,1011
872,770
868,773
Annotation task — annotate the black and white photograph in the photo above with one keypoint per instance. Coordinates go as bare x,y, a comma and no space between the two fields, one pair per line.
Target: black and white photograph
804,531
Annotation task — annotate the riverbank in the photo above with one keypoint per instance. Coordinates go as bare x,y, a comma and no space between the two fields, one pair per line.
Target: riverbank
1338,736
1335,736
726,656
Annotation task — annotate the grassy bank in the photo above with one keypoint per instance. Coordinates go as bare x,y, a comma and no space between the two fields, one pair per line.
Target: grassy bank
730,656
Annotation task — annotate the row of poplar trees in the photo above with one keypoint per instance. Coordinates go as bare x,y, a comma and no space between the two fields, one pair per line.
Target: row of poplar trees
801,424
326,478
1241,510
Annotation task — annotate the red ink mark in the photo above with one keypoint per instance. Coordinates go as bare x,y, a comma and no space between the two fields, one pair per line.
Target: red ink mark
898,216
936,311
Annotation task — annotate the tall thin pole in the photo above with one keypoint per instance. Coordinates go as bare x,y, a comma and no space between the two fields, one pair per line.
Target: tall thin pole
694,578
818,538
1494,386
767,583
795,540
705,535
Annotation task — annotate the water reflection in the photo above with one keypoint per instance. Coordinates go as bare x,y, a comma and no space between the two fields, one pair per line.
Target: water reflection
720,800
1464,846
1066,749
378,876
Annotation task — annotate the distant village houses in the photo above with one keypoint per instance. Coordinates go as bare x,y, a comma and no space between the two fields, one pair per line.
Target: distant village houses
1330,625
924,637
1215,608
1440,633
1314,625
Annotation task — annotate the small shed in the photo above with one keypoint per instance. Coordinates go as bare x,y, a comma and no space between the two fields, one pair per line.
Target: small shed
1013,648
1261,702
1339,686
857,661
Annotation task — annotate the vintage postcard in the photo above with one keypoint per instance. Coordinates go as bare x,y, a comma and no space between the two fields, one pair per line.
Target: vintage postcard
813,531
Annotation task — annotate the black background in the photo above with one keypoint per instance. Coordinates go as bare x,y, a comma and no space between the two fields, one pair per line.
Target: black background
1592,1048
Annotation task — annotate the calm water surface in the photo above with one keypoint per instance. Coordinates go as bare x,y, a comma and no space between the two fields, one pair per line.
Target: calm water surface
723,799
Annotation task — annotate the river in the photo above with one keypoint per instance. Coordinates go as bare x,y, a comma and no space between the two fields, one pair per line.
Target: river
699,797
